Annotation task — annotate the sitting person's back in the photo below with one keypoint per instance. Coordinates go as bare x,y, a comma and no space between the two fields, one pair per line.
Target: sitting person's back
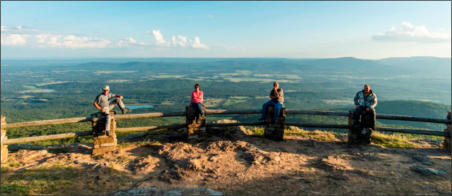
276,100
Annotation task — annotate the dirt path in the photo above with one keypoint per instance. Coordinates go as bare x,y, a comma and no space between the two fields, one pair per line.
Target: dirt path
236,163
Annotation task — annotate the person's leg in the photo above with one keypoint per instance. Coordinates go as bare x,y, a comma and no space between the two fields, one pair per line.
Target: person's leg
277,110
372,117
120,104
194,106
107,121
199,105
356,115
264,109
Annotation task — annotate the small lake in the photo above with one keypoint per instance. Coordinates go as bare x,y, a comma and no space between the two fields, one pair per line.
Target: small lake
133,107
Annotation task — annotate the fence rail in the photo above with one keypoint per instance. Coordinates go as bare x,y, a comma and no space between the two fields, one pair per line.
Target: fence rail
218,112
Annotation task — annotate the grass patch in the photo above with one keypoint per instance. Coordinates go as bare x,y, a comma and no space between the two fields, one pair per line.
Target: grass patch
317,135
393,140
60,179
15,189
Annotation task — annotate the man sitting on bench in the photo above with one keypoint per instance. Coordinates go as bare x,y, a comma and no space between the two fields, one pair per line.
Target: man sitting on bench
276,100
365,101
105,102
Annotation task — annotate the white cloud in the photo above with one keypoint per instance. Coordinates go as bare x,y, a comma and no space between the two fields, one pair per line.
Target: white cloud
408,32
14,40
159,38
21,36
197,44
178,41
130,41
70,41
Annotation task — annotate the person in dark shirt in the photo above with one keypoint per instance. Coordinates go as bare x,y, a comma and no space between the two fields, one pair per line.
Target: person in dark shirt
276,100
365,102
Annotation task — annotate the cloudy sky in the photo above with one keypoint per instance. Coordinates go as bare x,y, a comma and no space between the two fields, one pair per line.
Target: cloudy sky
370,30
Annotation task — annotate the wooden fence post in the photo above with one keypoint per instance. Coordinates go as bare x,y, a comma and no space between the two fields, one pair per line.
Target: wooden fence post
351,133
103,143
4,148
275,130
447,138
190,119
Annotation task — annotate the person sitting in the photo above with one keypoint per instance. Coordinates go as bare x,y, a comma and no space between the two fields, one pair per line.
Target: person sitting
105,102
197,100
276,100
365,102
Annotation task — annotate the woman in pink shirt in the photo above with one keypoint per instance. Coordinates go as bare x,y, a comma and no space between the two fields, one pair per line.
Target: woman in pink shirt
197,100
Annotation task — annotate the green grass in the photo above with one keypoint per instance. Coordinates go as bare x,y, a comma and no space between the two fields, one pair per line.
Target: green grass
60,179
393,141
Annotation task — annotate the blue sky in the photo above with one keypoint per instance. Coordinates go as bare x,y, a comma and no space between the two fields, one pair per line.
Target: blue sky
225,29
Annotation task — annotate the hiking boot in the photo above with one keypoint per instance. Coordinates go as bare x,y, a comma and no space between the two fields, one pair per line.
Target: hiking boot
125,111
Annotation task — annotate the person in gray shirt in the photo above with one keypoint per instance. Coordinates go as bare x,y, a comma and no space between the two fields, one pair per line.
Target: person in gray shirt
276,100
105,102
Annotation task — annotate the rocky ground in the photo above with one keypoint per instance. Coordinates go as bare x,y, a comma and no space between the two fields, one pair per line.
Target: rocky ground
233,161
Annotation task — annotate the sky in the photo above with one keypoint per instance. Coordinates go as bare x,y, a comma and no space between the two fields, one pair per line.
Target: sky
367,29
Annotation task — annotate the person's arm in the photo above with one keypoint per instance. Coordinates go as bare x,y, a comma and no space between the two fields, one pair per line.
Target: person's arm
281,94
97,106
356,99
202,97
116,95
273,94
374,101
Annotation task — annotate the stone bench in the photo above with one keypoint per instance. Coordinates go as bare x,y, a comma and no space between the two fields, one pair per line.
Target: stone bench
102,142
275,130
192,126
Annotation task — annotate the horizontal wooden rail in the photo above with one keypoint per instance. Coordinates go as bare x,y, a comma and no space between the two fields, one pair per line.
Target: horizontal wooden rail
412,118
173,126
221,111
86,133
330,113
148,115
317,125
234,124
47,137
323,113
218,112
84,119
148,128
48,122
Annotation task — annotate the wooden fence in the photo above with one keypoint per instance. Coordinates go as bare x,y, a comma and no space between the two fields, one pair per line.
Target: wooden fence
5,141
444,133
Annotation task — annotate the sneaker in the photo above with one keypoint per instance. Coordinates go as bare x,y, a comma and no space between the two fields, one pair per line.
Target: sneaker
125,111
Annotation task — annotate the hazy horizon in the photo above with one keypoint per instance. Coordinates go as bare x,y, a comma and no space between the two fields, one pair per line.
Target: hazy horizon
364,30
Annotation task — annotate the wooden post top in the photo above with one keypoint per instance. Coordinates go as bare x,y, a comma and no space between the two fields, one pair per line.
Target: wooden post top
3,127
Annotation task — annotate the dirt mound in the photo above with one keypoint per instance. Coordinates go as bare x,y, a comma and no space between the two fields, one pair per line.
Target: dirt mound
233,161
